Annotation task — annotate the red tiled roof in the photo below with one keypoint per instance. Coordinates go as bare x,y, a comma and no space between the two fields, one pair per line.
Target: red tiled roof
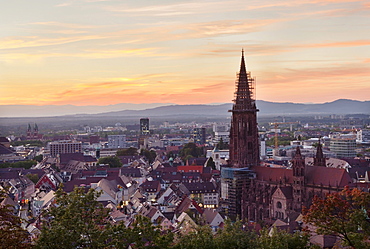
270,174
190,168
327,176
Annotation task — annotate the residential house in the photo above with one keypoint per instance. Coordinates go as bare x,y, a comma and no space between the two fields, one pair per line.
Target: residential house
213,218
49,181
204,193
150,189
111,191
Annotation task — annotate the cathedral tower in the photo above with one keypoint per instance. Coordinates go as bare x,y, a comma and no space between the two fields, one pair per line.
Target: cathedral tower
298,180
35,131
319,159
244,145
29,132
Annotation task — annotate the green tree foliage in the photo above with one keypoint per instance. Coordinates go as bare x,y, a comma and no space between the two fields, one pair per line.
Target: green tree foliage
150,155
37,143
211,163
33,177
234,236
38,158
280,239
200,238
127,152
22,164
222,145
12,235
345,214
77,221
141,234
113,161
190,150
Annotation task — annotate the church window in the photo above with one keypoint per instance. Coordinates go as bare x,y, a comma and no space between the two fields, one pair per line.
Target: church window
279,205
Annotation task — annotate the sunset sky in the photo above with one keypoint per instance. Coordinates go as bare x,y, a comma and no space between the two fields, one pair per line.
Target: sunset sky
102,52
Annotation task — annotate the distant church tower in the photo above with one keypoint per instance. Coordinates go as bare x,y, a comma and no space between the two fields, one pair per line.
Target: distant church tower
244,145
35,131
29,132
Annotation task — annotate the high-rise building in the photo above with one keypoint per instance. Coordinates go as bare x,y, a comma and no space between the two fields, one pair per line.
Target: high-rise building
144,126
144,133
244,145
199,136
343,147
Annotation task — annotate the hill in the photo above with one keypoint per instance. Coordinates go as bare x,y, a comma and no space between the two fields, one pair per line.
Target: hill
340,106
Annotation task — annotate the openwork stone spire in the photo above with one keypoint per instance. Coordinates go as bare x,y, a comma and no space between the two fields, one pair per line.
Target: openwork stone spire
244,100
320,159
244,144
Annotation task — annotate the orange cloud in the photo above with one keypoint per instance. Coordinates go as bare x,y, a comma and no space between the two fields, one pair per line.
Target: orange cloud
327,83
337,44
177,8
34,41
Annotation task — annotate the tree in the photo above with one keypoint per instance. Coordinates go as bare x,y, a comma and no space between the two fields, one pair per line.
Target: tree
33,177
190,150
280,239
113,161
150,155
77,220
21,164
144,234
222,145
234,236
344,214
127,152
201,237
211,163
38,158
12,235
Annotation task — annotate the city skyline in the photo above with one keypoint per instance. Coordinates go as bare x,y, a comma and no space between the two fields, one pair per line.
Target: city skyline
101,52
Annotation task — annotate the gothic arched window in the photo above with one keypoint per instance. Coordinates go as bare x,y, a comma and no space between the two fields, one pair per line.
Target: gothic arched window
279,205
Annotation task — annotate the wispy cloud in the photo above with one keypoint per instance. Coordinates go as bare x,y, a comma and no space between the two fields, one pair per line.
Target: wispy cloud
35,41
356,43
185,8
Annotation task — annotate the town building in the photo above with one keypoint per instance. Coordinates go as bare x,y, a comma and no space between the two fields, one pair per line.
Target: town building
144,126
343,147
117,141
199,135
363,136
63,147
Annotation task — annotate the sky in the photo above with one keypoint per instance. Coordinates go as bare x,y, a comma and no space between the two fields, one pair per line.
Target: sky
105,52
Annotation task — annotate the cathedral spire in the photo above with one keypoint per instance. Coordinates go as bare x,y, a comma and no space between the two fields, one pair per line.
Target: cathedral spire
298,167
319,160
244,144
298,153
244,100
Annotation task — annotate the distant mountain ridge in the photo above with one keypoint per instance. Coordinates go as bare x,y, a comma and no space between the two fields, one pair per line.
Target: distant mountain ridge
340,106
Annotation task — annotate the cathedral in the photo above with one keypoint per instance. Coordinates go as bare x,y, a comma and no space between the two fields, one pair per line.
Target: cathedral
269,193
